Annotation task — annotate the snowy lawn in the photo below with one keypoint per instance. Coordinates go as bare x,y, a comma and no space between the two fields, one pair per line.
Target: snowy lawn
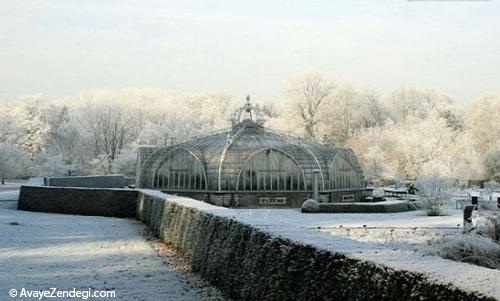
39,251
411,230
411,238
294,217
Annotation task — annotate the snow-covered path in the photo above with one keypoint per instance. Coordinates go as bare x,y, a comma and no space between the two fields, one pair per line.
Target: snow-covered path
10,186
40,251
9,195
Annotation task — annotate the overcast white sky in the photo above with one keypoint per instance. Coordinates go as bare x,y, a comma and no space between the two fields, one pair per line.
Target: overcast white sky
240,47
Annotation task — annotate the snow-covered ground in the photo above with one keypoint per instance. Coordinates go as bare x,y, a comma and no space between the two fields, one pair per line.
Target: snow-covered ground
276,217
10,186
40,251
411,238
9,191
9,195
411,230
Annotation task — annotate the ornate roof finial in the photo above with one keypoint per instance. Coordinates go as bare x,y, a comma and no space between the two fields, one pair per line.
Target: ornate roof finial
248,106
248,116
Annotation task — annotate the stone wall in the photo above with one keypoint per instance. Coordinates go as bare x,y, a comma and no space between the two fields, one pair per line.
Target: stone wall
249,264
84,201
380,207
359,195
108,181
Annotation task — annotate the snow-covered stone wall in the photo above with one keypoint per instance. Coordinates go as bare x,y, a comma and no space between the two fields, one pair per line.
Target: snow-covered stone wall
376,207
107,181
84,201
250,264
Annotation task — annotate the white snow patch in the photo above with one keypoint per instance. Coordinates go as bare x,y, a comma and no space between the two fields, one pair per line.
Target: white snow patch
39,251
11,195
34,182
389,201
180,200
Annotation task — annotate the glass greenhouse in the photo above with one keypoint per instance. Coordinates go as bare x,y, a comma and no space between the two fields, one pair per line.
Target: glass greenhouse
251,166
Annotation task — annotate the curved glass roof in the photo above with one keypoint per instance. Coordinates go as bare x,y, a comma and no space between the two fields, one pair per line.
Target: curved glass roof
225,153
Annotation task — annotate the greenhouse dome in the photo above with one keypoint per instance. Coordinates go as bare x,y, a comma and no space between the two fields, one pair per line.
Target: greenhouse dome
250,166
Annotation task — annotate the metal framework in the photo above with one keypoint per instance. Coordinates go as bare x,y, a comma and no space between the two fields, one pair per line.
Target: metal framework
180,169
271,170
250,158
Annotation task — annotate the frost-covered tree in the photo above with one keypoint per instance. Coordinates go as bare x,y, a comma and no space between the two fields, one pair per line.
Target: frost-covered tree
492,164
373,113
10,131
50,165
168,130
433,189
31,121
125,162
331,113
108,128
12,162
342,117
483,122
310,95
405,102
416,146
212,109
66,141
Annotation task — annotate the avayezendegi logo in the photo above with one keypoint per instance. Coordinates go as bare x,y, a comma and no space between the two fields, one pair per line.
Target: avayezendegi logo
55,293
